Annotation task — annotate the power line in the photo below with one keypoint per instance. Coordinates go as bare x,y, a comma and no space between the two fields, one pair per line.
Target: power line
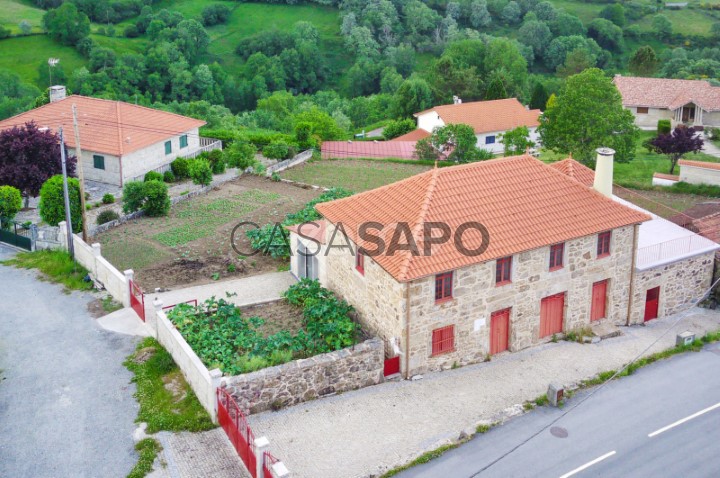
597,389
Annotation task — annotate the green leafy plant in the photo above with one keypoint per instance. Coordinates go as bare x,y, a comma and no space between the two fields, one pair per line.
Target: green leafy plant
276,150
200,171
180,168
106,216
108,198
153,176
52,202
133,196
157,200
10,202
169,177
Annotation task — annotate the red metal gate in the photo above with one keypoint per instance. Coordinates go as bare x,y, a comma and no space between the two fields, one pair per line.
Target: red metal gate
652,299
499,331
137,300
599,300
392,366
235,424
551,315
268,462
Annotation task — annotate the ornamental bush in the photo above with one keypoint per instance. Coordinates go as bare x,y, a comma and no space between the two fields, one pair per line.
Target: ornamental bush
10,202
153,176
168,177
157,201
180,168
217,161
276,150
664,126
240,154
108,198
200,171
133,196
107,216
52,202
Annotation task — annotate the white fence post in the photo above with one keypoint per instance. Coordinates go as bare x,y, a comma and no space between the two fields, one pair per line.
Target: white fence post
153,319
261,445
129,275
62,235
280,470
216,379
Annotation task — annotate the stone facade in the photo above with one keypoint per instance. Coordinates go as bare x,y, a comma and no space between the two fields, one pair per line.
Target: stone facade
307,379
475,297
680,284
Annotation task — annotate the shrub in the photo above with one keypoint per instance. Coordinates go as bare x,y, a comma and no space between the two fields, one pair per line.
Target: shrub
664,126
131,31
240,154
398,128
168,177
10,202
133,196
157,201
153,176
107,216
483,154
108,198
276,150
52,202
180,168
217,161
200,171
215,14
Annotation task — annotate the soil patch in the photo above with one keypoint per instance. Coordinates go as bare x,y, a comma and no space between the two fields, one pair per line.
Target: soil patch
278,316
143,355
95,308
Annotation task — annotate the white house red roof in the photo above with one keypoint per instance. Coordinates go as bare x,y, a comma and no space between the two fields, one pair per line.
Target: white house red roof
487,116
667,93
107,126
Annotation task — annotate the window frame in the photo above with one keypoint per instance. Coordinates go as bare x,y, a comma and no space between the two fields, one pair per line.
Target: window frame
603,244
442,340
445,282
554,250
501,264
645,112
489,138
101,159
360,262
168,147
183,141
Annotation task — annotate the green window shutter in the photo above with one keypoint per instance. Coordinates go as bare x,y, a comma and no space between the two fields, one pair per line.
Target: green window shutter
168,147
183,141
98,161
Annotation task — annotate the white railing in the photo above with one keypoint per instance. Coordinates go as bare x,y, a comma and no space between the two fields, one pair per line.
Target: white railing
674,248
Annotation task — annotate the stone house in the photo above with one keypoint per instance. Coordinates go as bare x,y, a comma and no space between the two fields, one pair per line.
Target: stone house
553,254
120,142
489,119
691,102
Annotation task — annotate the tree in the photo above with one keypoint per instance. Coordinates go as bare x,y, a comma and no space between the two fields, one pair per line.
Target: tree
644,62
586,115
516,141
539,97
545,11
681,141
25,27
479,14
662,26
413,96
511,13
29,157
557,52
536,35
615,13
715,31
606,34
10,203
66,24
496,87
192,39
398,128
566,25
457,141
576,61
215,14
450,77
504,54
322,124
424,150
52,202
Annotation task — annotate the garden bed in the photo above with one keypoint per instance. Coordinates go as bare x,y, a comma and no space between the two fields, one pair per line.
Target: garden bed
278,316
192,245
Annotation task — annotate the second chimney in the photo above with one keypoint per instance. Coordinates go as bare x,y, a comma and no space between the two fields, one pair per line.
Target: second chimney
604,171
57,93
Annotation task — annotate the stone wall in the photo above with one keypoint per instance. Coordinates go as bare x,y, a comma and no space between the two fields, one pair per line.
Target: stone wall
681,283
475,297
307,379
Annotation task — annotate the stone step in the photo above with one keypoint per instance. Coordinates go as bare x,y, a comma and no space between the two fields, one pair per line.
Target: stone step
606,330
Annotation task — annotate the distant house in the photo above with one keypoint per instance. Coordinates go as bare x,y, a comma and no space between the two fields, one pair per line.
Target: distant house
368,149
489,119
691,102
120,141
562,253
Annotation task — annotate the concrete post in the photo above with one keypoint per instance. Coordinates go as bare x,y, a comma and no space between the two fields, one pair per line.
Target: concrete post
216,379
129,275
152,319
96,249
261,445
62,237
33,237
280,470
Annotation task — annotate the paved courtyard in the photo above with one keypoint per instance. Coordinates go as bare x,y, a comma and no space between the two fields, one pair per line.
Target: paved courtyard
368,431
66,401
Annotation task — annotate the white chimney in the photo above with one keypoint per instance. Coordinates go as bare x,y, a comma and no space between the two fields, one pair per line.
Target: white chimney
57,93
604,171
456,100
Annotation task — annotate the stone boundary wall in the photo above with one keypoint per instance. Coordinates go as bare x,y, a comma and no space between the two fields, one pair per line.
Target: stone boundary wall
289,163
204,382
307,379
47,237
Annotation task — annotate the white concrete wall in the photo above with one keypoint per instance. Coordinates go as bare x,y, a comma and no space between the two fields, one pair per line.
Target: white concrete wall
498,147
429,121
695,175
662,182
711,119
203,381
101,270
140,162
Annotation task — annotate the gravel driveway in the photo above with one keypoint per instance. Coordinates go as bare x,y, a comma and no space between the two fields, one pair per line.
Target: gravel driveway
66,404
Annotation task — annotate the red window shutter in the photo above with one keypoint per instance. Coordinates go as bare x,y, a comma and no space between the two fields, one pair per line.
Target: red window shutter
443,340
556,256
603,245
360,262
503,269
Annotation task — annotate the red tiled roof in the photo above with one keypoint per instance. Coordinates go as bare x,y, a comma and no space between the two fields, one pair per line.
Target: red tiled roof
311,231
708,227
523,203
368,149
699,164
573,169
698,211
667,93
413,135
487,116
106,126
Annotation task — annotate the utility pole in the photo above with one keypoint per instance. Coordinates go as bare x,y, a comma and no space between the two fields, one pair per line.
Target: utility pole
81,178
66,196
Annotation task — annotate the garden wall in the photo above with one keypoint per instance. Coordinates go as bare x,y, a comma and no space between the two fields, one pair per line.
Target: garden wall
306,379
204,382
289,163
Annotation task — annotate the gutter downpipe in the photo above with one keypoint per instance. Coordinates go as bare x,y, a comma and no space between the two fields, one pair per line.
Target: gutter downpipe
636,231
407,330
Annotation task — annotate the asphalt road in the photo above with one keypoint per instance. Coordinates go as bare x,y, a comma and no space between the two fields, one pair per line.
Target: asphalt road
66,404
676,401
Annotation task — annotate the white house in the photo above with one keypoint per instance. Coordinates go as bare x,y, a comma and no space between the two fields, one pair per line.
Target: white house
691,102
489,119
120,142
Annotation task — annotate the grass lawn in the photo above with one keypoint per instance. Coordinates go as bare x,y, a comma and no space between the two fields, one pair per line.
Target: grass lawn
686,21
55,266
23,55
12,12
353,174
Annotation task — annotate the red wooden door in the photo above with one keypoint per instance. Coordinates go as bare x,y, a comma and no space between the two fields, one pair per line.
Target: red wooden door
551,314
599,300
652,299
499,331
